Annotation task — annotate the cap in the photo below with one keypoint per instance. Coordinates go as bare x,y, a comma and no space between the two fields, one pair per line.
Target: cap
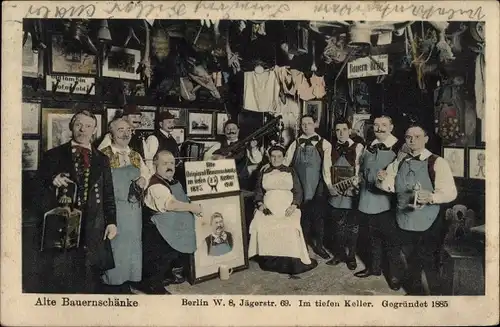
131,109
165,115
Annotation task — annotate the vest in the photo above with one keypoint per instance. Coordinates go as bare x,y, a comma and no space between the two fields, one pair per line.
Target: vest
176,228
166,143
409,173
372,200
308,164
137,144
344,166
240,159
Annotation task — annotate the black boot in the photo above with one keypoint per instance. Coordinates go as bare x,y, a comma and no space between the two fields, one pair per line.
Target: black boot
367,273
335,260
319,250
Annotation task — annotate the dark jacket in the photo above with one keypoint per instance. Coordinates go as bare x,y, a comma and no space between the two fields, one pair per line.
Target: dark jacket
210,238
100,209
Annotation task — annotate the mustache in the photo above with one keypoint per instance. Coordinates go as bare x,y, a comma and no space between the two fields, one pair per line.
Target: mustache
380,131
170,170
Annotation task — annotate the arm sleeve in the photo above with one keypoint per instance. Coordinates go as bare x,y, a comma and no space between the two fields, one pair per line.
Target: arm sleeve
296,190
254,155
445,190
259,191
289,154
388,184
157,198
145,171
327,163
208,154
359,152
109,204
106,141
150,149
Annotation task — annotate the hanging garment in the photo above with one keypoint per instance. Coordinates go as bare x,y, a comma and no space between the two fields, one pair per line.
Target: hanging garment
479,86
261,91
285,78
318,86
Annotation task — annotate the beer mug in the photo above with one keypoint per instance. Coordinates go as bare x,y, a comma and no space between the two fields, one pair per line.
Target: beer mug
225,272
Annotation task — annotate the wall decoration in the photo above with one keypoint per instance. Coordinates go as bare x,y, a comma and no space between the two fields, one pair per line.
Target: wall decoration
30,58
148,120
70,84
221,119
313,108
180,115
55,127
365,66
122,63
31,117
456,160
30,154
220,238
360,96
200,123
360,125
71,60
178,134
477,163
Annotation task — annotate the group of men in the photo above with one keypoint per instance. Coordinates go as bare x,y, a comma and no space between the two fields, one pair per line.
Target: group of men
395,190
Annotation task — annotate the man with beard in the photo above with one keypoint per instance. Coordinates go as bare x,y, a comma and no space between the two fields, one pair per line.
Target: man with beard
132,114
78,271
375,205
246,161
168,231
422,182
345,166
219,242
162,139
310,157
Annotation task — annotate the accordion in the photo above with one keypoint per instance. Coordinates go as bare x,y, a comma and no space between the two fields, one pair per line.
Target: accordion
62,225
343,178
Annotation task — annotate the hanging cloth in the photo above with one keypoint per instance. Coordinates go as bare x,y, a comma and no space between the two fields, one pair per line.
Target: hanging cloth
479,85
261,91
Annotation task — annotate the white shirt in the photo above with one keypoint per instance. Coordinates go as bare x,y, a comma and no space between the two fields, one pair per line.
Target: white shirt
389,141
445,190
151,147
327,158
123,155
158,197
254,155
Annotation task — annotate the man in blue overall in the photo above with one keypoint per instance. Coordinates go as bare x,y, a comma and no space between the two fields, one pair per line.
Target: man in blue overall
422,182
169,226
344,172
375,205
310,157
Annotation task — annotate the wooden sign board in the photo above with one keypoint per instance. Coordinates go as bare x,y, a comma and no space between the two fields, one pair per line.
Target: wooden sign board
364,67
211,177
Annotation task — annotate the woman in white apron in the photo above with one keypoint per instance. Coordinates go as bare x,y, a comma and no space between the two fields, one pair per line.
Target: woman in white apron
276,238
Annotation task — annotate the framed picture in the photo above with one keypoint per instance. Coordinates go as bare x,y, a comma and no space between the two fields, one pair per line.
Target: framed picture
361,125
30,154
222,118
111,114
65,59
30,59
31,117
178,134
477,163
220,237
313,108
122,63
200,123
361,96
148,120
180,115
456,160
55,127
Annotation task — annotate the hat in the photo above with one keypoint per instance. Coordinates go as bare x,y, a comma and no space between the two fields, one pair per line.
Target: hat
131,109
165,115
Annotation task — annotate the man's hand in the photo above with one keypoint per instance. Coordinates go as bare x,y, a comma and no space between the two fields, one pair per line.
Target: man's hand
253,144
261,207
61,180
111,231
424,197
196,208
382,175
333,191
290,210
141,182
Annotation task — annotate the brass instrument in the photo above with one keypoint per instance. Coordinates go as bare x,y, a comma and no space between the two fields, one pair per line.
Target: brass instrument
271,127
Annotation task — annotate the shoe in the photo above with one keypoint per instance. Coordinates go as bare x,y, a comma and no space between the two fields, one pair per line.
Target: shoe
321,252
334,261
367,273
351,264
394,284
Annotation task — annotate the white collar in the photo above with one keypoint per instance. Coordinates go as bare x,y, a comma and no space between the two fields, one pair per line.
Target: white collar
423,155
118,150
86,146
349,142
165,133
303,136
389,141
231,142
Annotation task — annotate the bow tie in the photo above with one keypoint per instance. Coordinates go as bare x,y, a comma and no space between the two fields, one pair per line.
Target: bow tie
309,141
85,153
342,147
378,146
410,157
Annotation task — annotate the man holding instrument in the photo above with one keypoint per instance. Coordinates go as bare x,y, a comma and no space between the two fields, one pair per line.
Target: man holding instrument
344,173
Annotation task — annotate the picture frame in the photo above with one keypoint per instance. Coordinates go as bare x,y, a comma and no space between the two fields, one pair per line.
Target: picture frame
31,117
148,119
69,61
477,163
122,63
455,156
55,127
313,108
233,252
361,125
221,119
111,113
179,134
200,123
30,154
180,115
30,58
